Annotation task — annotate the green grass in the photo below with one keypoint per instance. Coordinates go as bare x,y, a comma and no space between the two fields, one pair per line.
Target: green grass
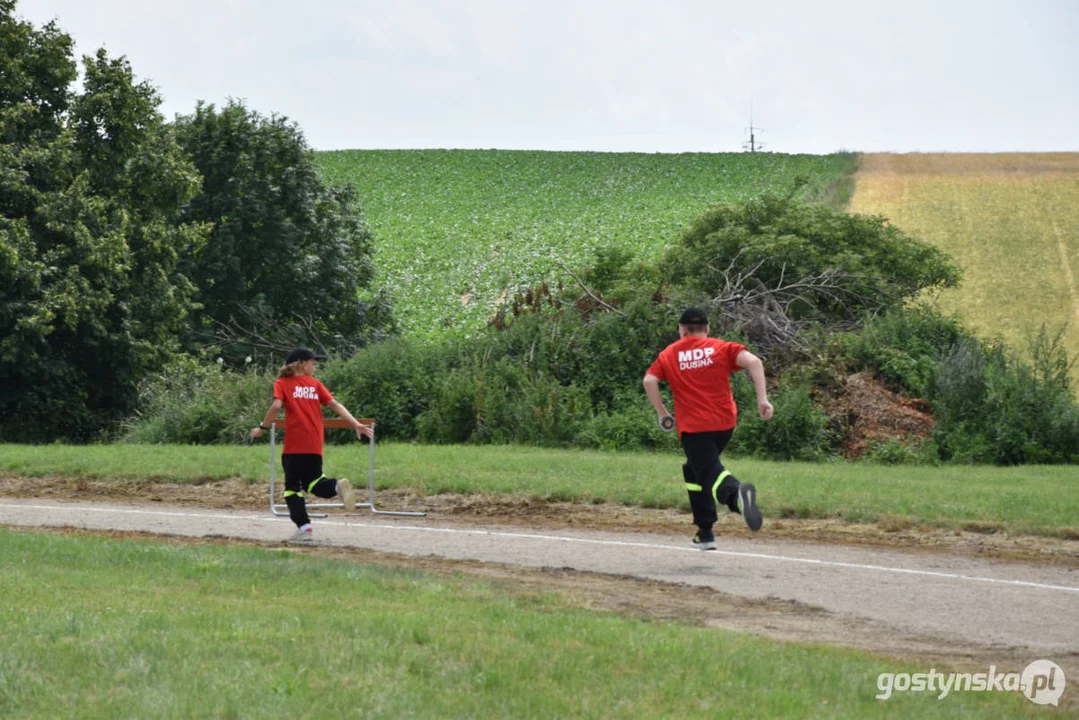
457,231
1029,499
102,628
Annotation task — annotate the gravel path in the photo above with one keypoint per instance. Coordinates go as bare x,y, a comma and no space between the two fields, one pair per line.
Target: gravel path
1011,608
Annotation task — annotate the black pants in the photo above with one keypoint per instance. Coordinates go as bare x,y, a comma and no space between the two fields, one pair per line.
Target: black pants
707,482
303,474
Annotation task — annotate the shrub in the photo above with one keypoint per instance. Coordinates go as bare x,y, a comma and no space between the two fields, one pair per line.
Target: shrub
630,424
606,352
994,407
797,431
612,352
502,400
196,402
451,416
392,381
905,346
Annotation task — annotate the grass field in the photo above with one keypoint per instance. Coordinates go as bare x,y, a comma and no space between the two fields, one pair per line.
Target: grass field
94,627
1038,500
457,231
1010,221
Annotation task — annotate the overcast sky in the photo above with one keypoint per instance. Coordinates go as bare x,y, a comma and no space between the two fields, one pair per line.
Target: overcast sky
617,75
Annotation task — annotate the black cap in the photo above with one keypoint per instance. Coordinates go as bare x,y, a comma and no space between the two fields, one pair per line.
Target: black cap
693,316
302,354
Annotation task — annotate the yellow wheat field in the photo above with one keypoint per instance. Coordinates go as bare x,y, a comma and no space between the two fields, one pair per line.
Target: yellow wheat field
1011,222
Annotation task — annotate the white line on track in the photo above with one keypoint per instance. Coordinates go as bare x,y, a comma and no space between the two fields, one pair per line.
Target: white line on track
560,538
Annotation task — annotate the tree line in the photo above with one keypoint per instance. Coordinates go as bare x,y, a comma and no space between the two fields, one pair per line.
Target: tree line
126,239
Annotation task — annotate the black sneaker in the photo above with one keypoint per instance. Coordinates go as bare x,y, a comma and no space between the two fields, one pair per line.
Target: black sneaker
705,540
747,503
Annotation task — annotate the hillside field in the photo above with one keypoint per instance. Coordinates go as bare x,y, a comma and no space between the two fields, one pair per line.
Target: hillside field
457,231
1010,221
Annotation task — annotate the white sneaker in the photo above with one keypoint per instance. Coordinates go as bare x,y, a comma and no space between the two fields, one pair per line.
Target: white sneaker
347,494
305,534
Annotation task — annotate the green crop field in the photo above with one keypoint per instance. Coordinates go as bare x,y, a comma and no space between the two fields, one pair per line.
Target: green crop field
1010,221
457,231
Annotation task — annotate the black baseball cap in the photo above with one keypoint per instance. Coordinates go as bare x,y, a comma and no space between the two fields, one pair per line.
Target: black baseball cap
302,354
693,316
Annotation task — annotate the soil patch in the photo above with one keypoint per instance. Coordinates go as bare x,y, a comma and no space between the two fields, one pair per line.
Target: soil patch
869,414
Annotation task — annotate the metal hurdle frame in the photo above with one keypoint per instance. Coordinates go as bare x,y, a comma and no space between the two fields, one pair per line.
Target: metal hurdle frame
281,509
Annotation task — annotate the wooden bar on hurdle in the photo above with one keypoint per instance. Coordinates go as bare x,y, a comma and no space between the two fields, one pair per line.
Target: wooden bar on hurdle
282,509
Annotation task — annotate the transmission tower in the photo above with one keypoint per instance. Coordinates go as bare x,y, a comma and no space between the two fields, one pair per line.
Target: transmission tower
752,145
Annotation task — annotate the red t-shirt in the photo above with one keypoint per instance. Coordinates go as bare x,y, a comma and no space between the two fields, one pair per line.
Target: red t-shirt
698,369
304,397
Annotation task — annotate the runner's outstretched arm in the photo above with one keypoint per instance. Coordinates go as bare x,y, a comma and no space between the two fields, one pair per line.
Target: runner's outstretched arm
755,367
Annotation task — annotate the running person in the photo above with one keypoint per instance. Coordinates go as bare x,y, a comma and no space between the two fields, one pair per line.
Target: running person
302,397
698,369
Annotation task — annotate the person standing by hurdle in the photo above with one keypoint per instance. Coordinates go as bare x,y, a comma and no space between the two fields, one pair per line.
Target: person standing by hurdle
302,396
698,369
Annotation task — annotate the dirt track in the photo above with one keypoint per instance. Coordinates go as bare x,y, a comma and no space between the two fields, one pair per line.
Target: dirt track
962,599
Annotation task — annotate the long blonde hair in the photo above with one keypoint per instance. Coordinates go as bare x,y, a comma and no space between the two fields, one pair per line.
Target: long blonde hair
291,369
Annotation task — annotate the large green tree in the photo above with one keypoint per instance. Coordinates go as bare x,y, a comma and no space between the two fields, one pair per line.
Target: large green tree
815,261
774,266
91,186
289,258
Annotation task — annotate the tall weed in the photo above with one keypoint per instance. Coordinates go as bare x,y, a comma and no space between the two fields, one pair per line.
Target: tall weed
993,406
